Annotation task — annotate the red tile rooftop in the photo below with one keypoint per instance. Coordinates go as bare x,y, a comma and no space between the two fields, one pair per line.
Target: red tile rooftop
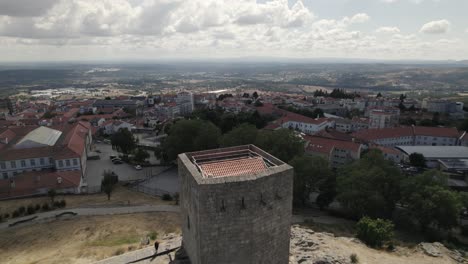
234,167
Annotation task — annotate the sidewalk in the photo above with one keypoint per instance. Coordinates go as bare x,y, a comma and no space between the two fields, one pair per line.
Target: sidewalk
50,216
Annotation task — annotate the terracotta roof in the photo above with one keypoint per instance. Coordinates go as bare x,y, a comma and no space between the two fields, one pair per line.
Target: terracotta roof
391,132
233,167
28,183
325,145
395,132
70,144
387,150
333,134
290,116
436,131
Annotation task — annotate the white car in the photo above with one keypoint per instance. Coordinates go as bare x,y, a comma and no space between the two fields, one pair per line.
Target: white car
138,167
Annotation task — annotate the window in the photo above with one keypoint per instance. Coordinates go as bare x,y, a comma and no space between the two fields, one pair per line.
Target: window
41,161
33,162
23,163
2,165
51,161
67,162
75,162
60,163
13,164
5,175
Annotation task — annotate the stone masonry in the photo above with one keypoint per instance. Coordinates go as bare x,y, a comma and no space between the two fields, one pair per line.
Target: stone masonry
236,219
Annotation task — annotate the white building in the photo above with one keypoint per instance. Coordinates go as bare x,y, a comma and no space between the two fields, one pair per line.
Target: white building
185,102
384,117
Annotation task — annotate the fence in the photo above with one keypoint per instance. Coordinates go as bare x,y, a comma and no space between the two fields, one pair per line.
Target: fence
150,191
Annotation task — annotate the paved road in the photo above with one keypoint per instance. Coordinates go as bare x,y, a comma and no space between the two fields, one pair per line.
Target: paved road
167,181
126,172
51,215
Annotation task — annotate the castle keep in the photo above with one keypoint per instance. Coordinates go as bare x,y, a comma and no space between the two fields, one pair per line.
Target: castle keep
236,206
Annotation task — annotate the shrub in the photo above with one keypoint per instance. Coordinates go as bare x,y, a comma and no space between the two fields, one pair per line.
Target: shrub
6,215
1,217
354,258
62,204
167,197
374,232
153,235
45,207
38,207
21,210
16,213
31,209
56,204
464,230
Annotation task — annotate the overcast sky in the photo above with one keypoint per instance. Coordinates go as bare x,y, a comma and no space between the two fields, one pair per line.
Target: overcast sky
152,29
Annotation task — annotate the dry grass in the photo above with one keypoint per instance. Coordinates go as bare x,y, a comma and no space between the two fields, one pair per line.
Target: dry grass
120,196
84,239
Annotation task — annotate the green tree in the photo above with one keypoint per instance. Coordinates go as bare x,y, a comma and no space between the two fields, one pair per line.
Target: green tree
430,202
282,143
241,135
52,193
255,95
379,95
141,155
108,182
318,112
327,193
309,171
374,232
190,135
124,141
417,160
369,186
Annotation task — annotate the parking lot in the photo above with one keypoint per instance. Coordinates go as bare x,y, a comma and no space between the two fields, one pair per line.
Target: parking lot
125,172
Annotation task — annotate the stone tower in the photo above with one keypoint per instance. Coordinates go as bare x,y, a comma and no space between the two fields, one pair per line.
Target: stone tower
236,206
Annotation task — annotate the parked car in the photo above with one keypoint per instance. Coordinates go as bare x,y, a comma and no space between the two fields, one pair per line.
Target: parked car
138,167
111,157
117,161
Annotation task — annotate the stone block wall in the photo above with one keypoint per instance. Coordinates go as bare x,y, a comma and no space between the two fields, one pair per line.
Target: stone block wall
236,219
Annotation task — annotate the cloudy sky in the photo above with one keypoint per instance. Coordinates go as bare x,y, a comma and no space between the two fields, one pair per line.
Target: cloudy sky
35,30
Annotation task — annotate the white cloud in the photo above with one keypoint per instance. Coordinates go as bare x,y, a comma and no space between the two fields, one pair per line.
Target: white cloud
435,27
388,30
411,1
204,28
360,18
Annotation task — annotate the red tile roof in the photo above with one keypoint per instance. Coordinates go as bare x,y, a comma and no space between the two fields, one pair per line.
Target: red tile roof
391,132
387,150
28,183
436,131
233,167
326,145
395,132
290,116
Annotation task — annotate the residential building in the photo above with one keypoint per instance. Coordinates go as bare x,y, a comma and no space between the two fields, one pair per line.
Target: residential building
337,152
301,123
112,126
442,106
185,102
384,117
48,150
409,136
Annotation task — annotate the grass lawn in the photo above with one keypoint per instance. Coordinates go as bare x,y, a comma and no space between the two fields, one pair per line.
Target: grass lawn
120,196
83,239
